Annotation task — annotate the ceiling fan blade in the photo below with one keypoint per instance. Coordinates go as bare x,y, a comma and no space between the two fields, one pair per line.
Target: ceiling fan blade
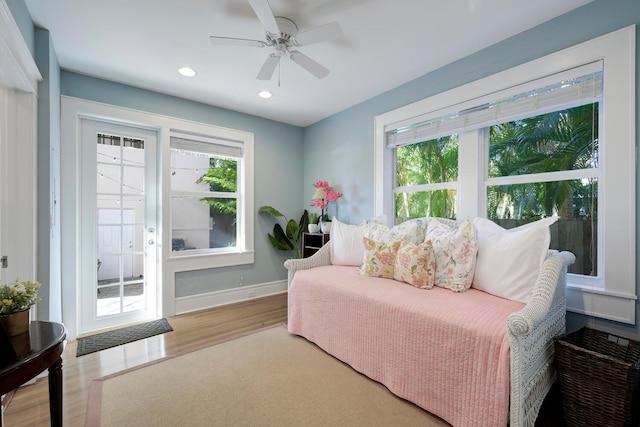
309,64
231,41
319,34
265,15
269,66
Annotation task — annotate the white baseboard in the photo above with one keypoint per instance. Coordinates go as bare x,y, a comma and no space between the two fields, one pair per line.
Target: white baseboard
228,296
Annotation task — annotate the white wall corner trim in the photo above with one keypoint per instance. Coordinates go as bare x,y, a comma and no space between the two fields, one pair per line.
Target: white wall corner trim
228,296
17,68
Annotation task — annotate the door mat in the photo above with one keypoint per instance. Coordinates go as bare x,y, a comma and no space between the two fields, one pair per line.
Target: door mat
105,340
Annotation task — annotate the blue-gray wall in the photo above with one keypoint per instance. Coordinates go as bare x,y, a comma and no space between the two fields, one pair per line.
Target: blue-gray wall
22,17
49,255
345,140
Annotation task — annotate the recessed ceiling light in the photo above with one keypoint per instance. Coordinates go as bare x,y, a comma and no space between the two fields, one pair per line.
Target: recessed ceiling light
187,71
265,94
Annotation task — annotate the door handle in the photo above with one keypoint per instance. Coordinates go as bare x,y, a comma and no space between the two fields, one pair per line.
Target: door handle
151,241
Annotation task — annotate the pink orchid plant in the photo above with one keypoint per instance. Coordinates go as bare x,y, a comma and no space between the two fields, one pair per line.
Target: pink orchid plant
324,194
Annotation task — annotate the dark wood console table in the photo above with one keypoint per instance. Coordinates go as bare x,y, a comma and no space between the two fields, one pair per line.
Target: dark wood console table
47,342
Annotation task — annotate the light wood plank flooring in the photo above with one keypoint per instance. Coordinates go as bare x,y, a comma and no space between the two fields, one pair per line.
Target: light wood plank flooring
30,404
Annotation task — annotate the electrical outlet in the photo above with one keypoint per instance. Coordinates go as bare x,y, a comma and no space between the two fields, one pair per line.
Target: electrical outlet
251,294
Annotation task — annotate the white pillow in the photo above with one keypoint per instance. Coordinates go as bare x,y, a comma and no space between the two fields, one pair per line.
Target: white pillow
455,251
347,245
509,260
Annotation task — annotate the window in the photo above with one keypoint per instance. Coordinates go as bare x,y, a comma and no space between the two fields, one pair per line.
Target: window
528,143
547,165
426,179
205,194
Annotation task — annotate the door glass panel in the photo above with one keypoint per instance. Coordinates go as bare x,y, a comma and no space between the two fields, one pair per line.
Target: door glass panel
120,225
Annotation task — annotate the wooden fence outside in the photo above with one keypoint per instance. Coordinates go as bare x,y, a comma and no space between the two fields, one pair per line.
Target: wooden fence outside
574,235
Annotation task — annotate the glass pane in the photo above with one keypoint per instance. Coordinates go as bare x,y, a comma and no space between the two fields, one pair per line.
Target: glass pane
110,202
223,222
128,238
108,179
132,180
557,141
108,269
439,203
108,140
222,175
133,152
203,223
108,150
576,204
201,172
135,205
137,242
427,162
136,271
134,298
108,301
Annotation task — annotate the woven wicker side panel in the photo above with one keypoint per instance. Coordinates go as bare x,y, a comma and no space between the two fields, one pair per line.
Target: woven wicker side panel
537,364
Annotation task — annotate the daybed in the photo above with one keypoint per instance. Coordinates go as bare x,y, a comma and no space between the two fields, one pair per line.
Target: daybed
472,358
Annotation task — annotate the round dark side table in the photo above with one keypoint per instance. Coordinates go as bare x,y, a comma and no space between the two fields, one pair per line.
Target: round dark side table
46,342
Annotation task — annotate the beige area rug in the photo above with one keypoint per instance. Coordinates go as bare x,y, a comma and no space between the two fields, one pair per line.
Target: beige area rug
266,378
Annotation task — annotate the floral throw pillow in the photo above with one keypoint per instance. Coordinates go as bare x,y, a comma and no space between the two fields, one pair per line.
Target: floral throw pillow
416,264
455,250
414,229
379,258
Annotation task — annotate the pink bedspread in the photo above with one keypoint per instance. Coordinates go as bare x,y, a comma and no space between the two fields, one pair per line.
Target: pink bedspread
446,352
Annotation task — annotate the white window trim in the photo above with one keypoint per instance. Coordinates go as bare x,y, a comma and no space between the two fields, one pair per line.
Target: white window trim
617,299
72,109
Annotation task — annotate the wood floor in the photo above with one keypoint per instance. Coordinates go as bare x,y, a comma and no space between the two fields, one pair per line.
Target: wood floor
30,404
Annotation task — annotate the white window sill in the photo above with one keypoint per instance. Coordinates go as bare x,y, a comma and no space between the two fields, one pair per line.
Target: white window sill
600,303
187,260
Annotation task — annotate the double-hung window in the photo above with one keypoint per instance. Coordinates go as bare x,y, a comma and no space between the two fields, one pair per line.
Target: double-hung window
529,143
208,195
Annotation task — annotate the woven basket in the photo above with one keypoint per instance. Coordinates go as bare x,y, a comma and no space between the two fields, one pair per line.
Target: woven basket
599,375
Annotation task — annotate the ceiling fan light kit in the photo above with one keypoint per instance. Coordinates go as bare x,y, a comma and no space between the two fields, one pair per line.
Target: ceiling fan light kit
282,35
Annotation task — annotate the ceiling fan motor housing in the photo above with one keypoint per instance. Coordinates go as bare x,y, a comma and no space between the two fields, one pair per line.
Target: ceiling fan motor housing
288,29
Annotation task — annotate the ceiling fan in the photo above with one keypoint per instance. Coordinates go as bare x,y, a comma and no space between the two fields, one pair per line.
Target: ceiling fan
283,37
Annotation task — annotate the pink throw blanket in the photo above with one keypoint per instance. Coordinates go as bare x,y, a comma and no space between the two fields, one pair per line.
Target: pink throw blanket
446,352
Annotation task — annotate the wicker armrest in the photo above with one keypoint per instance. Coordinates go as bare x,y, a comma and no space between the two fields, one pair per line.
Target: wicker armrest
319,259
522,322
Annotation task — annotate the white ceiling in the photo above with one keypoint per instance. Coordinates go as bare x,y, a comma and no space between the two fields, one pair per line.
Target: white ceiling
385,44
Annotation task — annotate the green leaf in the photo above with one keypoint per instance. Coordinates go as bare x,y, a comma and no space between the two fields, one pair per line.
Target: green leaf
304,223
278,244
292,229
281,238
270,210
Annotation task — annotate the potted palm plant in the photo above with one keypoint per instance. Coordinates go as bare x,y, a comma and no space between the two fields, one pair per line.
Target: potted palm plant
288,238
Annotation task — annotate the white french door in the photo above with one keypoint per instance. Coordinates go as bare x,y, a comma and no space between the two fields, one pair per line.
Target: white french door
118,226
